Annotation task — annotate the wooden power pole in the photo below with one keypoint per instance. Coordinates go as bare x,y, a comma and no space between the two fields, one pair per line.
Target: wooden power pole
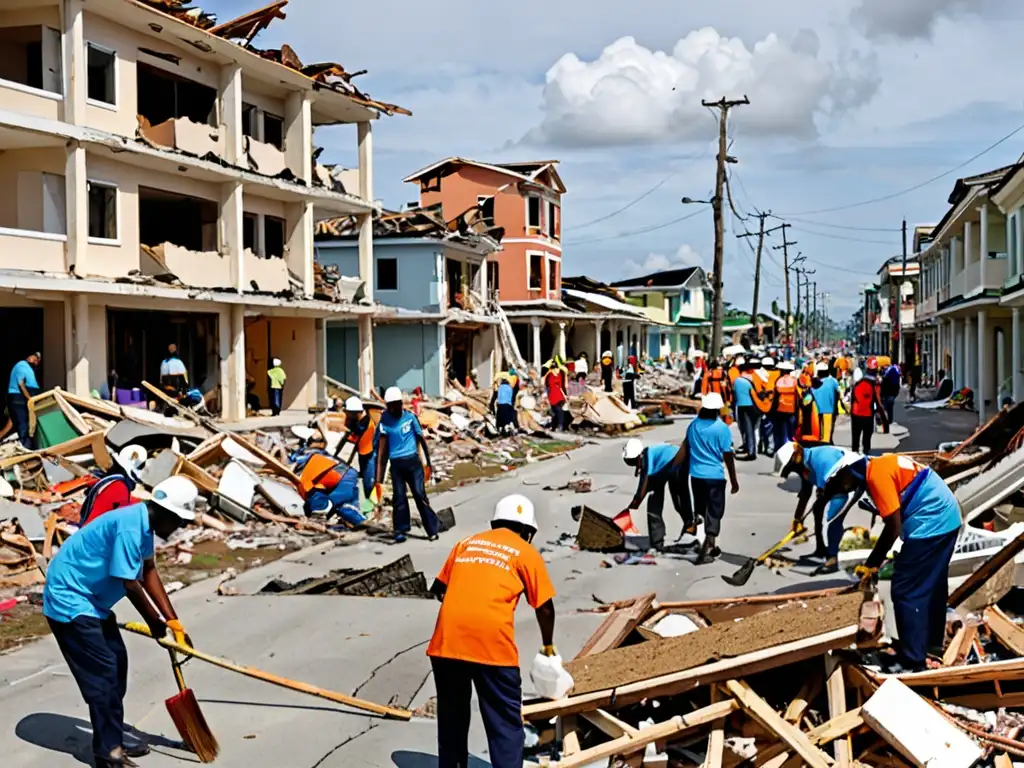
761,233
718,310
786,243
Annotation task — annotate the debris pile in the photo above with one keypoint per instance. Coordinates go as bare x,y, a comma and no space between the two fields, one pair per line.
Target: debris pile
799,679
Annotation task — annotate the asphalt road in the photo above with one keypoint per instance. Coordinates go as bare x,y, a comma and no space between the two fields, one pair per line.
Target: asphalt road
374,648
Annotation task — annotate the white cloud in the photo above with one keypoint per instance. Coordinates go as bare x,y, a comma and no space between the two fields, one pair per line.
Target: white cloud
907,19
685,256
631,94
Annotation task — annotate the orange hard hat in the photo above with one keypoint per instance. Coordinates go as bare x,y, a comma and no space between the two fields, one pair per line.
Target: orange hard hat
872,363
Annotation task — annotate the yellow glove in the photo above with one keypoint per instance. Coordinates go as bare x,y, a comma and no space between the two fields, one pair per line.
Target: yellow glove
549,650
797,527
865,573
180,635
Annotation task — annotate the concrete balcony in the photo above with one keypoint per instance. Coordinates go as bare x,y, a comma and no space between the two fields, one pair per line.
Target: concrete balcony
908,316
995,276
927,308
33,251
956,286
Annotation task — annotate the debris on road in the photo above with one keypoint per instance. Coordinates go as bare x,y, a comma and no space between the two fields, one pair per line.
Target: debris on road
397,579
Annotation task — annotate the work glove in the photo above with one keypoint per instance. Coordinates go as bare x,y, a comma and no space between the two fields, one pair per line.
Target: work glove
428,472
549,650
178,633
797,528
156,628
865,573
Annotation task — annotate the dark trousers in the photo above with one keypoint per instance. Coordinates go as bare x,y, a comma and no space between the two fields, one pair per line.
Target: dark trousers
506,415
276,400
606,379
676,481
919,593
98,660
889,404
783,428
367,471
558,417
629,393
17,407
767,435
863,428
709,503
500,692
409,472
748,417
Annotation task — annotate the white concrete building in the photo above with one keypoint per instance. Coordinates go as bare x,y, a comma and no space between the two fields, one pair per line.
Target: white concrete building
159,186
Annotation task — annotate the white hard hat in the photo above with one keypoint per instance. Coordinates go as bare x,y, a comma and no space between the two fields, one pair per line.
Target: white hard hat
516,509
784,456
712,401
355,405
821,367
276,361
785,366
131,459
768,362
632,449
178,495
740,360
393,395
303,431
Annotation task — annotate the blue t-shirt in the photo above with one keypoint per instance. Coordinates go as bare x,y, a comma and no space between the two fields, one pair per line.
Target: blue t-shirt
709,441
826,397
504,393
819,462
86,577
932,511
22,371
744,389
659,457
401,433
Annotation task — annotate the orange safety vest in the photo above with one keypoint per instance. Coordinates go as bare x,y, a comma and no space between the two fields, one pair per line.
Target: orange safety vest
773,377
734,373
763,393
809,428
862,399
365,442
319,474
713,381
786,395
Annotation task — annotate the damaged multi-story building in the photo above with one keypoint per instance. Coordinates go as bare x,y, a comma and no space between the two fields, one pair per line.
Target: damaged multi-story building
161,187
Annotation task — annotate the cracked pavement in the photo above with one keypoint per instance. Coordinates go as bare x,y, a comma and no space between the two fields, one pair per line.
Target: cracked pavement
374,648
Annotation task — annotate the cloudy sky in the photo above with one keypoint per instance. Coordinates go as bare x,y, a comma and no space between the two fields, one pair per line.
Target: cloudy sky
851,101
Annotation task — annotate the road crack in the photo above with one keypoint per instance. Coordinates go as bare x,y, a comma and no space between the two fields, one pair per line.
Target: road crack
345,743
379,667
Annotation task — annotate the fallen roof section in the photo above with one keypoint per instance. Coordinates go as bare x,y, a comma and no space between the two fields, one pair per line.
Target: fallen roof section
470,227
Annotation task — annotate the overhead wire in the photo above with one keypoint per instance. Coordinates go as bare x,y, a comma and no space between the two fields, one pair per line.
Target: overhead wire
913,188
847,238
642,231
836,226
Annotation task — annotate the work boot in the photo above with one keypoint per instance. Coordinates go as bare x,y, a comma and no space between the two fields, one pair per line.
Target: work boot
831,565
708,551
400,538
692,527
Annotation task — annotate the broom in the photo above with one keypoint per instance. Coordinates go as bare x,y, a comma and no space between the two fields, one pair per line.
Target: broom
188,718
744,572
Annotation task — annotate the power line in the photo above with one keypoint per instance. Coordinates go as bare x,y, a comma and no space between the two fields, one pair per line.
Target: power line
841,269
914,188
643,231
838,226
646,194
847,238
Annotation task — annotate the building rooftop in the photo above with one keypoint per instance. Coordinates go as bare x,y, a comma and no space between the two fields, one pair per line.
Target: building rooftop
669,278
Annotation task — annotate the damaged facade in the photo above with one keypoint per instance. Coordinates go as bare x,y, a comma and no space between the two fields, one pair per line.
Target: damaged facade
678,298
162,188
439,323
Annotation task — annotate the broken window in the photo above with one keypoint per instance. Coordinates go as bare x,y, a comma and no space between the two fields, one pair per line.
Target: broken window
273,131
387,274
166,217
533,213
54,204
30,56
250,116
102,74
273,237
536,271
493,275
164,96
553,222
102,211
552,275
486,205
453,273
249,224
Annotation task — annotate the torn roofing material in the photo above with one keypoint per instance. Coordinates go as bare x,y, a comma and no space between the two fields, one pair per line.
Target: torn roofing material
470,226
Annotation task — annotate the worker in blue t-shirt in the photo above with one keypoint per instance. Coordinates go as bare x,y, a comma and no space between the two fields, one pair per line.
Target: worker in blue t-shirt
400,437
747,413
707,446
816,465
22,386
826,397
655,471
106,560
503,404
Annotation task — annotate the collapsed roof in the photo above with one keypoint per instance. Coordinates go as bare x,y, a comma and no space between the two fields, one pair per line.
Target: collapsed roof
469,227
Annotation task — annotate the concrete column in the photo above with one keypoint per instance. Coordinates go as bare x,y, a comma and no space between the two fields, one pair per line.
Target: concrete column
364,133
984,363
78,381
970,354
968,243
983,243
232,233
535,350
300,255
366,382
232,350
496,355
231,113
959,258
598,329
954,347
560,339
76,192
74,55
321,363
365,139
298,135
1015,373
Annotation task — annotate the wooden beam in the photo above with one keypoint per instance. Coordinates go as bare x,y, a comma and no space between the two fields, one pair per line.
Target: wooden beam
570,738
678,682
1002,671
986,701
716,741
949,657
987,570
763,712
609,724
1009,634
808,692
617,625
626,745
837,706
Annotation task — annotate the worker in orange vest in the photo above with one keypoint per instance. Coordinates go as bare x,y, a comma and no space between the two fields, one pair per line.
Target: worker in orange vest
715,381
809,429
764,394
865,404
785,401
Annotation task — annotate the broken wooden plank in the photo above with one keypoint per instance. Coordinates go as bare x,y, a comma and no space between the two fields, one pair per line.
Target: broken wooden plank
917,730
1002,671
987,701
798,706
678,682
958,648
626,745
1009,634
836,689
987,570
570,738
617,625
763,712
716,741
608,724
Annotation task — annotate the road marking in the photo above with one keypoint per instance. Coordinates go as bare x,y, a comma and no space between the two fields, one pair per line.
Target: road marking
34,674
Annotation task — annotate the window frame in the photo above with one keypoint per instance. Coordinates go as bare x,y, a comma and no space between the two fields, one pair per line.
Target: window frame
115,61
530,256
376,273
481,200
116,239
538,228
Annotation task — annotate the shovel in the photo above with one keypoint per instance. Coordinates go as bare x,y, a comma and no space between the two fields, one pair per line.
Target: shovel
742,575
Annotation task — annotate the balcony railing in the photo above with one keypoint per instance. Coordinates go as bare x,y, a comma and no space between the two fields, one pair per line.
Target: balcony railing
995,276
36,251
928,307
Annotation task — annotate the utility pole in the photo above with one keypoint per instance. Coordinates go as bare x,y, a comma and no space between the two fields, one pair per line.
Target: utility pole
718,311
902,349
786,243
814,315
761,233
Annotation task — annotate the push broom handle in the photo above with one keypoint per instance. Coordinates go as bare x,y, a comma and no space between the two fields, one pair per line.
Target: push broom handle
267,677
